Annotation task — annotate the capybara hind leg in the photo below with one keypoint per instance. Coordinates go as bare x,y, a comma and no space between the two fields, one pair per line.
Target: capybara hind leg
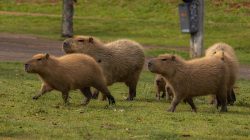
44,89
95,94
191,103
65,96
174,103
222,99
87,93
163,94
102,88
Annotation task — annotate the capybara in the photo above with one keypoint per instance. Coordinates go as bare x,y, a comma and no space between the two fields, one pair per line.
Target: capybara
121,60
232,64
162,85
196,77
68,72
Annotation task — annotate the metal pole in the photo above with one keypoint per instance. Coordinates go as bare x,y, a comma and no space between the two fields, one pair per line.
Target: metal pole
196,41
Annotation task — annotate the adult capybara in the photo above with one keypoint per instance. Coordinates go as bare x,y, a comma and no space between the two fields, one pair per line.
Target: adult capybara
196,77
162,86
121,60
232,64
69,72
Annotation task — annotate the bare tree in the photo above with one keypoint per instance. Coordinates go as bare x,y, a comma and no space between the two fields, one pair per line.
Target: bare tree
67,18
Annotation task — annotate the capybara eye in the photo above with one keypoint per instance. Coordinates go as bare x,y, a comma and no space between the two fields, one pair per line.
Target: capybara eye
81,40
214,52
163,59
39,59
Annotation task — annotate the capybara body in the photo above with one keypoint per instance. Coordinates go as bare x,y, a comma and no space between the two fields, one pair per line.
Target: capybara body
196,77
68,72
121,60
232,64
162,86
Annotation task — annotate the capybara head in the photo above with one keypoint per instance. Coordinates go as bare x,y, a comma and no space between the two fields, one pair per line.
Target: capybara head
37,63
78,44
160,80
164,64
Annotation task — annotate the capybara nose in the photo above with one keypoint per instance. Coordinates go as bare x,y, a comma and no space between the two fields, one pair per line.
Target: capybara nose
65,44
26,66
149,64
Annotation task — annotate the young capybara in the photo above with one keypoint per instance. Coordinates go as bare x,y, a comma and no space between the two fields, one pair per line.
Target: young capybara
68,72
196,77
121,60
161,85
232,64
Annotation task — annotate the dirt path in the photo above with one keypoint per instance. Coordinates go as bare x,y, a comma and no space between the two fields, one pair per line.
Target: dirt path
21,47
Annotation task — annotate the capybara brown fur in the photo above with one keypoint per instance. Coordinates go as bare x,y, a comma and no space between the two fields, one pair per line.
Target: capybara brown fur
68,72
196,77
162,86
121,60
232,64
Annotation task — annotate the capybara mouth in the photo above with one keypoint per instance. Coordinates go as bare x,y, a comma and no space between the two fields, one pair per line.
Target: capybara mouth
150,66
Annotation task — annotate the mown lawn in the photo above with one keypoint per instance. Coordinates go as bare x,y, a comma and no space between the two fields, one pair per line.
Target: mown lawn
150,22
145,118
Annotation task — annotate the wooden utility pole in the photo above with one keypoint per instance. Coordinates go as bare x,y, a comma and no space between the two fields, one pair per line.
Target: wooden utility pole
67,18
196,41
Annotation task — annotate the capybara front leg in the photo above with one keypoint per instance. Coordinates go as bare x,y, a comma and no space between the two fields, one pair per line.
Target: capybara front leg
87,93
44,89
158,94
222,99
231,98
174,103
191,103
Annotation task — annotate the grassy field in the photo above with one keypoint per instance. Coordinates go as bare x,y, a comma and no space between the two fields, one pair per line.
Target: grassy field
145,118
150,22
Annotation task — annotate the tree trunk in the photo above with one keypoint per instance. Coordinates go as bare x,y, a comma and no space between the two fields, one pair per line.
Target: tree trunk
67,18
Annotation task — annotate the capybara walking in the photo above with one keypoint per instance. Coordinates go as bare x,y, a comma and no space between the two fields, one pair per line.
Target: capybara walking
197,77
162,86
232,64
69,72
121,60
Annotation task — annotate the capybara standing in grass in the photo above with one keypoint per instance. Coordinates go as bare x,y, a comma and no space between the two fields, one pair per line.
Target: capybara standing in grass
232,64
121,60
162,86
197,77
69,72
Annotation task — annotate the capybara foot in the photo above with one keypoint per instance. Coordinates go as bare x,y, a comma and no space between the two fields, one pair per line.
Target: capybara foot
194,110
130,98
223,109
94,96
86,101
111,100
35,97
170,110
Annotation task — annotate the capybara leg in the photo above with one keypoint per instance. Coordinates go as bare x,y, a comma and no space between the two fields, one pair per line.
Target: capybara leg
222,99
104,97
158,94
44,89
87,93
95,94
106,93
65,96
231,96
191,103
163,94
174,103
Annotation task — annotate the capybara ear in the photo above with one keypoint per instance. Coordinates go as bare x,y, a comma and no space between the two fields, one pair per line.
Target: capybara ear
91,40
173,57
46,55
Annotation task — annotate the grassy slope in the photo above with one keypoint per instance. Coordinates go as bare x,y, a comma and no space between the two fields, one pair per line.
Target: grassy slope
153,22
145,118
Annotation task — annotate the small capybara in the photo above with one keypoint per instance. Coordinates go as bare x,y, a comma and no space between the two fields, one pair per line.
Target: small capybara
121,60
196,77
232,64
68,72
163,86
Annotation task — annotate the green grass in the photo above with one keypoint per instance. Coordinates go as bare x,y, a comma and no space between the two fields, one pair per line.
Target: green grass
150,22
145,118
